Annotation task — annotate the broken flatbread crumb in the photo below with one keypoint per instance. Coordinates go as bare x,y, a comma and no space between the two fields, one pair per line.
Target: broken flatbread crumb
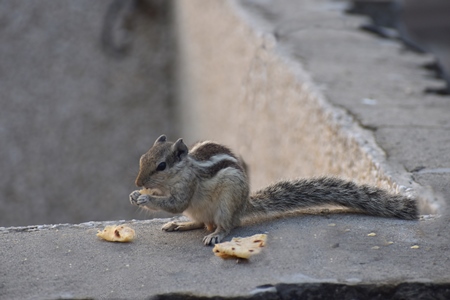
117,233
150,192
241,247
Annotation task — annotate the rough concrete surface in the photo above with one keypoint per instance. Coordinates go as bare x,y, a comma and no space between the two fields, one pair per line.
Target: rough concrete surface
378,88
70,261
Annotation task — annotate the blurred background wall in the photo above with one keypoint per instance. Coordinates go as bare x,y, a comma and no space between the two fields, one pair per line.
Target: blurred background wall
87,86
85,89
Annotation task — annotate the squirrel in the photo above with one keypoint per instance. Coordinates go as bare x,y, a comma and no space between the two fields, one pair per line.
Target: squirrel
208,183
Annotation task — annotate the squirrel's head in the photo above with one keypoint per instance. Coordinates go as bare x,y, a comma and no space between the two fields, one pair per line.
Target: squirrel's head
157,165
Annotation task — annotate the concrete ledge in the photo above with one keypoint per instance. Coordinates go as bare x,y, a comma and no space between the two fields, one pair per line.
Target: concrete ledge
69,261
413,290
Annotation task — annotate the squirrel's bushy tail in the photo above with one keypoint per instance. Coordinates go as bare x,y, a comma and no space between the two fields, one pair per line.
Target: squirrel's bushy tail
285,196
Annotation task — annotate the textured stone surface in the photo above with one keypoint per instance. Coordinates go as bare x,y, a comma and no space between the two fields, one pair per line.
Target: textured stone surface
71,261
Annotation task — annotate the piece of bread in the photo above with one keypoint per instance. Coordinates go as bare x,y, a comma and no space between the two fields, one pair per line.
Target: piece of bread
241,247
155,192
117,233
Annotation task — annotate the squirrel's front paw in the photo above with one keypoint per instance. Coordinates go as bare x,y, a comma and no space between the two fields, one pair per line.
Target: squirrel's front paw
137,199
143,199
134,196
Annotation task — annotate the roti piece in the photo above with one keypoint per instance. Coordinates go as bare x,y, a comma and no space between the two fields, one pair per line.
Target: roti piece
117,233
145,191
241,247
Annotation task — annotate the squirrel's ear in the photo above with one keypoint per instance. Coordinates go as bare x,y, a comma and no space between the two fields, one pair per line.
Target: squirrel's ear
180,149
161,139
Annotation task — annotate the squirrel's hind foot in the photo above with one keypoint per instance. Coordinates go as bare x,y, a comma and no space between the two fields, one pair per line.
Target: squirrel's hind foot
182,226
214,238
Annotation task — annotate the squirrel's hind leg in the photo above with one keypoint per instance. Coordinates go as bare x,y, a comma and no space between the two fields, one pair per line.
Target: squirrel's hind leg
227,216
182,226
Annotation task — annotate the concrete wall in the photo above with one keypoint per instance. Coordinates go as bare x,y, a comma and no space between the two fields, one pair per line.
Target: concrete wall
244,92
247,86
85,89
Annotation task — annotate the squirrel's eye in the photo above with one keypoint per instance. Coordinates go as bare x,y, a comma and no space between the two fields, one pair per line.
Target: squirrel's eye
161,166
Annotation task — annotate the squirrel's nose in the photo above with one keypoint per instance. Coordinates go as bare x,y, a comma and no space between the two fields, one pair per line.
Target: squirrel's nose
139,182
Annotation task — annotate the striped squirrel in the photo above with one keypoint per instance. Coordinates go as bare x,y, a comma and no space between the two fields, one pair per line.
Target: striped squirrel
209,184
